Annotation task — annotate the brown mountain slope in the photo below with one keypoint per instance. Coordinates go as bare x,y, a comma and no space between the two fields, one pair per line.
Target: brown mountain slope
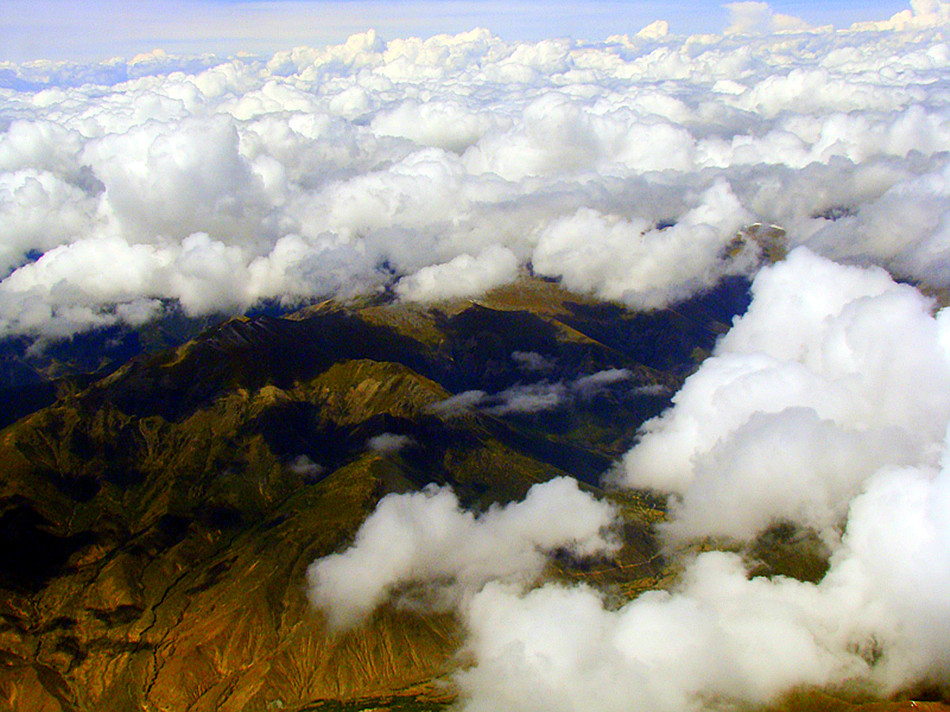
155,527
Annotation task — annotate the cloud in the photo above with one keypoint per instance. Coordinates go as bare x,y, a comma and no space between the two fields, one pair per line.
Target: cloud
459,403
449,165
446,166
637,262
594,383
528,398
809,394
305,467
462,276
826,407
922,14
720,637
532,362
757,17
388,443
426,538
655,30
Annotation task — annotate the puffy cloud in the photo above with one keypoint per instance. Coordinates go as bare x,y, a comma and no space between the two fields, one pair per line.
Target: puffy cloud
828,407
173,183
655,30
426,538
825,406
637,262
811,392
922,14
448,164
462,276
753,17
718,639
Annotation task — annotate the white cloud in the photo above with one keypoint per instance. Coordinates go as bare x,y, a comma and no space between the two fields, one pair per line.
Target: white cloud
462,276
536,397
447,164
922,14
828,407
426,539
812,392
718,639
636,262
757,17
877,618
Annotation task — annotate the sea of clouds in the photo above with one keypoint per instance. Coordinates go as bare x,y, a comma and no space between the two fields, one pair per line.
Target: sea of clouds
446,166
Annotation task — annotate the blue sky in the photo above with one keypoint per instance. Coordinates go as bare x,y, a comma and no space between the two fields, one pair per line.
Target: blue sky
98,29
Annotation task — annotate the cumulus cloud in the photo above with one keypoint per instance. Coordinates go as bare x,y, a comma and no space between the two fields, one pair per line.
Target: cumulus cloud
446,166
824,406
717,640
443,167
811,392
462,276
427,538
634,260
757,17
922,14
876,619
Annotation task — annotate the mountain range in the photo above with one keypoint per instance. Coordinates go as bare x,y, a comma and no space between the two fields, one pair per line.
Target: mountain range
157,517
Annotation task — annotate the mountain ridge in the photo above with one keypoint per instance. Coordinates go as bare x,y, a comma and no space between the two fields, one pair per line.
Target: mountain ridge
179,499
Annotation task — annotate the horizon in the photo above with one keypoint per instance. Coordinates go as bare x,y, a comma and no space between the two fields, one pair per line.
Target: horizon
55,30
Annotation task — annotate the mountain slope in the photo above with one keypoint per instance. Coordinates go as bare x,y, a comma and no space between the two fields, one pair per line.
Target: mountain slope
155,526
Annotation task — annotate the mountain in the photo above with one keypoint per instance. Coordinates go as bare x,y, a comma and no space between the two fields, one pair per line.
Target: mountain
156,523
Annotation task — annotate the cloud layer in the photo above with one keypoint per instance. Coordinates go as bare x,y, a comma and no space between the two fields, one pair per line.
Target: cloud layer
446,166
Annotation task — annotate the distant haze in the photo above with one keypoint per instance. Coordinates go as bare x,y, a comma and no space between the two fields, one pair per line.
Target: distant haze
100,29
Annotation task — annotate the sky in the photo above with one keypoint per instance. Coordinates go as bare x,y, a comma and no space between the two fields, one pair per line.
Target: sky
100,29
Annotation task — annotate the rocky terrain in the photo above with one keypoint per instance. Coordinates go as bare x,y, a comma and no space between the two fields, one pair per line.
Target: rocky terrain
156,523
